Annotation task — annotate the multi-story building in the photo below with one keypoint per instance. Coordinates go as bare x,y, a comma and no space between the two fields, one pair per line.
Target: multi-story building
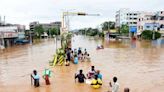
151,21
32,25
126,16
140,20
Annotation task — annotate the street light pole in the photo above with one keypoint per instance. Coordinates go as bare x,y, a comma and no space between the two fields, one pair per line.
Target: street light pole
30,38
57,36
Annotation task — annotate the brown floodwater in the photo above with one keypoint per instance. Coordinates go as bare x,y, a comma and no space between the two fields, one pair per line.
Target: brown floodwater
138,65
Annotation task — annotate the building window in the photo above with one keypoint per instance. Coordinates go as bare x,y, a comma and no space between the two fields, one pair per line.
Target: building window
134,22
161,12
147,26
162,26
135,18
162,18
130,18
135,14
139,19
130,14
147,18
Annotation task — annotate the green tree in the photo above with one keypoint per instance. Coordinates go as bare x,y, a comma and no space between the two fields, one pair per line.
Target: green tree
39,30
108,25
124,29
53,31
94,32
148,35
82,31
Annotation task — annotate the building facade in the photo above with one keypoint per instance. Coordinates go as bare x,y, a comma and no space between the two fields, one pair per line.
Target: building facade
8,34
126,16
140,20
151,21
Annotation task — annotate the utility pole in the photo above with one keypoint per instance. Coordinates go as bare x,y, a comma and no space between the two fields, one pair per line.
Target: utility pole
57,36
30,37
154,24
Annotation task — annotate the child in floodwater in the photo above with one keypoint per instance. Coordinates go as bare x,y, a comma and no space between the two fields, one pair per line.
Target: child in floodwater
36,78
75,59
99,75
46,75
72,56
82,57
85,53
88,58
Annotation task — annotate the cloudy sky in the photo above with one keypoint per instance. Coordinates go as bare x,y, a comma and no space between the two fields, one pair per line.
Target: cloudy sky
26,11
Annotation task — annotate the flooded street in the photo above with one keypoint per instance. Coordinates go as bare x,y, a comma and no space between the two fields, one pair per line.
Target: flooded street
138,65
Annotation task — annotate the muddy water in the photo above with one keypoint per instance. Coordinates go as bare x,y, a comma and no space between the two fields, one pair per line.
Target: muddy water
138,65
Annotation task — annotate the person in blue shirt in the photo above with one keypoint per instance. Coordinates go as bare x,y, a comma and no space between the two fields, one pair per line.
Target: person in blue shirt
36,78
75,59
98,74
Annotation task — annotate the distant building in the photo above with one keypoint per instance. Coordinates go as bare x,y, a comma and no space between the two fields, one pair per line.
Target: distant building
126,16
151,21
32,25
140,20
46,26
9,33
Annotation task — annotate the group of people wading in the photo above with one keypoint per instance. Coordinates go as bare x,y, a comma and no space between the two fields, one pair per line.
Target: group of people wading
93,77
75,56
35,76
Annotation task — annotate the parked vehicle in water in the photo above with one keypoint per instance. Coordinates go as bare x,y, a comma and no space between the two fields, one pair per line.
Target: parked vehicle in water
21,41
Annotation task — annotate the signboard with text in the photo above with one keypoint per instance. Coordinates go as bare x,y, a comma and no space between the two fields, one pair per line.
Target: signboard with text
133,29
10,35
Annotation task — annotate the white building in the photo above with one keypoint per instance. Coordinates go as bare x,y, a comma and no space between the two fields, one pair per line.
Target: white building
126,16
151,21
140,20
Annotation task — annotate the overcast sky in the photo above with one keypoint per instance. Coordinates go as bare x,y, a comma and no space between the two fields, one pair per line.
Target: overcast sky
44,11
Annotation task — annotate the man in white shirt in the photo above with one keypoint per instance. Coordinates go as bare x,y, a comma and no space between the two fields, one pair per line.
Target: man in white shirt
115,86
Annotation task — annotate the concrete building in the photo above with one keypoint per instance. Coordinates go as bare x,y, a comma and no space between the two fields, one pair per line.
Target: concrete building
32,25
140,20
8,34
151,21
126,16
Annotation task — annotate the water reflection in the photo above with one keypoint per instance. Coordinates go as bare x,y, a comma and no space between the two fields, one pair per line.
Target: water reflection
138,65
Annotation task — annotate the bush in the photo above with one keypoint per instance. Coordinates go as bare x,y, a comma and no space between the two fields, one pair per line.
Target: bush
148,35
157,35
101,34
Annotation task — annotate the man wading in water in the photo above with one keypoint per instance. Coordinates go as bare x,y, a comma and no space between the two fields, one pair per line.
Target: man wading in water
36,78
115,86
81,77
